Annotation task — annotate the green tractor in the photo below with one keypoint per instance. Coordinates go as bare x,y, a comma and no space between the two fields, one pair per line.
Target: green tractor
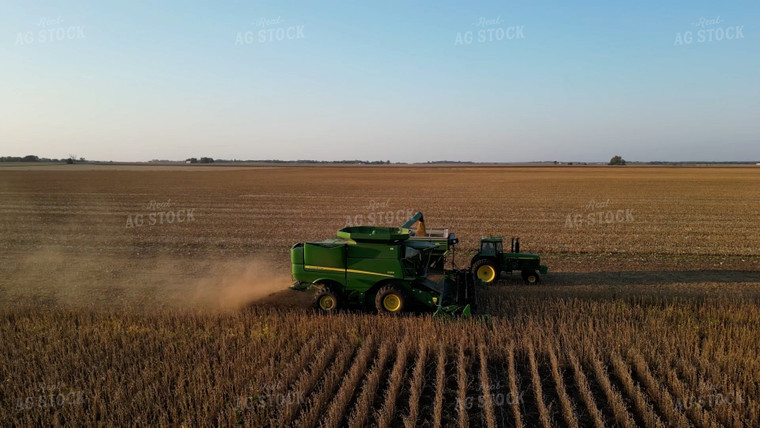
378,267
491,260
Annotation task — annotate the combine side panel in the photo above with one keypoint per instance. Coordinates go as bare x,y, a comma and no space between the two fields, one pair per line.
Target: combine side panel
326,260
368,263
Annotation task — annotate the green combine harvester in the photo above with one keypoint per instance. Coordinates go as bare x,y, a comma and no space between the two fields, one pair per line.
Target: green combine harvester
380,266
397,269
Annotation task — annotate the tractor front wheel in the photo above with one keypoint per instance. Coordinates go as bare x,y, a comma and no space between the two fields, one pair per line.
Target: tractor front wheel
486,271
390,300
326,301
530,277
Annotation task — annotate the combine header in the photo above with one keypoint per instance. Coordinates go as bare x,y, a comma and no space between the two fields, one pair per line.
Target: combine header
396,269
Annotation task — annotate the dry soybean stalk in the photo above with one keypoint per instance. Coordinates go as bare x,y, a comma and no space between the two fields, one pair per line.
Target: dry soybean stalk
585,391
349,385
290,375
514,390
331,378
657,391
415,387
486,389
543,412
567,408
362,407
308,380
693,408
634,392
440,385
385,415
619,410
462,387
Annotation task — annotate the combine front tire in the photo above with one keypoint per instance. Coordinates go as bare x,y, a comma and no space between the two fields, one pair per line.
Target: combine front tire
530,277
390,300
486,271
326,301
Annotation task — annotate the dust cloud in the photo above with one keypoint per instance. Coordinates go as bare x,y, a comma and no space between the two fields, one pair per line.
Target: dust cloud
233,285
54,277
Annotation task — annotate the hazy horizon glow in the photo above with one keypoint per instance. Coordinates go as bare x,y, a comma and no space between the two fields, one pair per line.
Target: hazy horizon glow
525,81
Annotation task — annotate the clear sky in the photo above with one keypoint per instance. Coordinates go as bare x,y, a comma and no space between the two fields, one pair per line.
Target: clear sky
393,80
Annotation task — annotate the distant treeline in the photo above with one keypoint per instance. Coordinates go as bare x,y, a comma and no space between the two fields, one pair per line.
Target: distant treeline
445,161
29,158
694,163
34,158
300,161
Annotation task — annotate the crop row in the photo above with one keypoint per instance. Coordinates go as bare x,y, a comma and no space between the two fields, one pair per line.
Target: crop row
562,362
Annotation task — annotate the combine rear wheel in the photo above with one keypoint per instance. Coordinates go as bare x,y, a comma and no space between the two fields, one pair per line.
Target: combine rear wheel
530,277
486,271
326,300
390,300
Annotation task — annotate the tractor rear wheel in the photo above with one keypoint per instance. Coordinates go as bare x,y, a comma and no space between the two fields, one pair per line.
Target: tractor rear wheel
390,300
326,300
530,277
485,270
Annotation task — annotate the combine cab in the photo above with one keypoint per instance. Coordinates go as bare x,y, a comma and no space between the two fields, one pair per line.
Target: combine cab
381,267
